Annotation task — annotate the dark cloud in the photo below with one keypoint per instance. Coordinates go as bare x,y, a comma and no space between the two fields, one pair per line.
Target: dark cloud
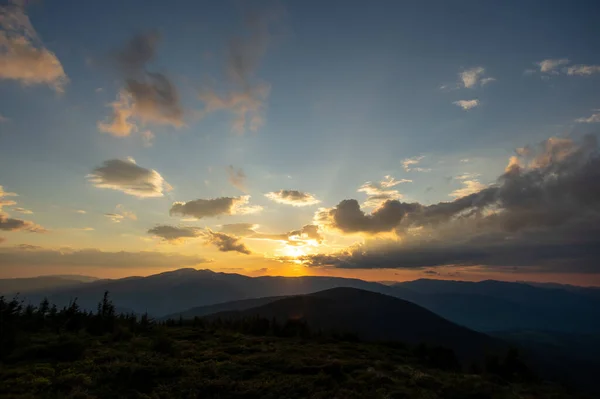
237,178
128,177
10,224
203,208
541,212
225,242
150,97
173,233
349,218
292,197
36,256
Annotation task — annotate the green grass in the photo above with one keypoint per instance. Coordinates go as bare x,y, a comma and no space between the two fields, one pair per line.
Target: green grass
187,362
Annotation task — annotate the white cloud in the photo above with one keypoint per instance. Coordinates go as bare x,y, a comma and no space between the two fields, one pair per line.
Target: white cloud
467,104
380,192
408,162
23,57
583,70
128,177
22,210
594,118
470,78
551,65
470,187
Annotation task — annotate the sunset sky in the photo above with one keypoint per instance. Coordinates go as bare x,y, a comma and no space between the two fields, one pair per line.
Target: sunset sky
391,140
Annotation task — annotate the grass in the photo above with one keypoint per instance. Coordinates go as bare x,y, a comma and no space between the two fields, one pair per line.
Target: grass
188,362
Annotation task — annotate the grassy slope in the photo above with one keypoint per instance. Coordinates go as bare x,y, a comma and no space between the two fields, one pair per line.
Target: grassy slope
183,362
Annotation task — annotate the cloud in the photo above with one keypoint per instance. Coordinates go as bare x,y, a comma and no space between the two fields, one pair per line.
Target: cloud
23,57
4,119
120,214
470,187
128,177
9,224
119,123
148,138
467,104
542,213
81,211
2,239
594,118
347,217
15,257
22,210
380,192
292,197
246,97
583,70
147,97
408,162
550,66
471,77
225,242
173,233
204,208
306,235
237,178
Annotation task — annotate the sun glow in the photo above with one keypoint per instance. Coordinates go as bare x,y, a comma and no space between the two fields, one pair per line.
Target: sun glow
293,251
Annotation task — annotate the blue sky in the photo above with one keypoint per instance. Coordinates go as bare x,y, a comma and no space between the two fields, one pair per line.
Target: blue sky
354,89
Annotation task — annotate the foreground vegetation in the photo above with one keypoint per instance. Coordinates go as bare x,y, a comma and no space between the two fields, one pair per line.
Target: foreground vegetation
68,353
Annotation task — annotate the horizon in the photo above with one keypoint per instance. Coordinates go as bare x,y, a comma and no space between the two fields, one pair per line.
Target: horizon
387,143
383,282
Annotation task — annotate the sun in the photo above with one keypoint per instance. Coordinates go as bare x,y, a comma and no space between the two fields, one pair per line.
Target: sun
293,251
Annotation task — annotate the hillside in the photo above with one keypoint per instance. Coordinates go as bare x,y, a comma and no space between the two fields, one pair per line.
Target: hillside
372,316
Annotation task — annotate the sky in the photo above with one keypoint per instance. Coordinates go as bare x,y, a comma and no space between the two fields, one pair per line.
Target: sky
389,141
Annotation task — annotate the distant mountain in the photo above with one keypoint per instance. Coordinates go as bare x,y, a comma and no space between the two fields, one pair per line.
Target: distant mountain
372,316
11,286
497,305
174,291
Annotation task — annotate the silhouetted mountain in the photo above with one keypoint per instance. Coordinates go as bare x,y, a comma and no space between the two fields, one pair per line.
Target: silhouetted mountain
372,316
11,286
496,305
243,304
484,306
174,291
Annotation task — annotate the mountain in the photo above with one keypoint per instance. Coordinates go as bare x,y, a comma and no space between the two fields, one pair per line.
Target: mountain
372,316
174,291
200,311
497,305
12,286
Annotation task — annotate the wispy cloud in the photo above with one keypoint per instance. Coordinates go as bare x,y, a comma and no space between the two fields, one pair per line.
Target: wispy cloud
470,187
246,97
237,178
379,192
467,104
120,214
408,163
583,70
594,118
551,66
23,56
